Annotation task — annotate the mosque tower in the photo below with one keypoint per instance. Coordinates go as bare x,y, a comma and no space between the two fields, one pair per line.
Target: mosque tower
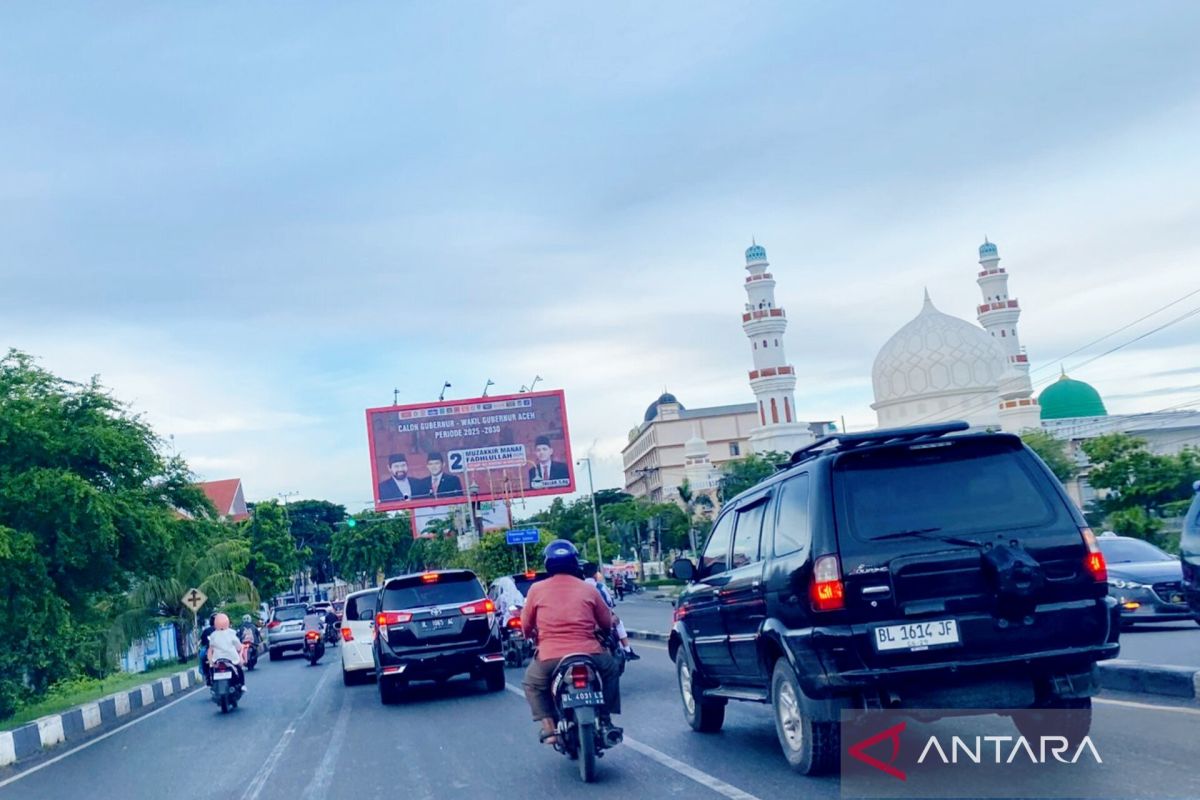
772,379
998,314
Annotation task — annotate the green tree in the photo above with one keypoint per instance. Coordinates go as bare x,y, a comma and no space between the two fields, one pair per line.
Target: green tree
1136,484
740,475
273,556
312,526
376,544
1053,451
695,504
213,560
88,507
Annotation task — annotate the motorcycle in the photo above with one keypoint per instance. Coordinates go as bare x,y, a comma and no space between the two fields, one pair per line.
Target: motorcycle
578,696
314,647
226,687
516,648
248,639
332,633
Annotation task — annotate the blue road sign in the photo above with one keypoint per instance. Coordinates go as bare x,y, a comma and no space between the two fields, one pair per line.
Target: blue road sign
522,536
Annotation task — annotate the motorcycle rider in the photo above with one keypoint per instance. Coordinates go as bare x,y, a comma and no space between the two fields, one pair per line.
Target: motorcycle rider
225,643
248,625
596,578
203,653
563,614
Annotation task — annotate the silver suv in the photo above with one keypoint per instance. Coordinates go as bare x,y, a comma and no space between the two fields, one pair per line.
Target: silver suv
285,629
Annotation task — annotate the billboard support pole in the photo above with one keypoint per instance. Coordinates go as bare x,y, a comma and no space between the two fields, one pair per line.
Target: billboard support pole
595,516
524,558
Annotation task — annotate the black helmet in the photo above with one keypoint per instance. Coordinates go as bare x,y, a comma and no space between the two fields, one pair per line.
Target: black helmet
561,557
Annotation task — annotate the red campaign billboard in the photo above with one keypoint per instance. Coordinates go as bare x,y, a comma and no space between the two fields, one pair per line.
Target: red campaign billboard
490,448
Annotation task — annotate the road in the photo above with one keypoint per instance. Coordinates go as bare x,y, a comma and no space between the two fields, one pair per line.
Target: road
1174,644
300,734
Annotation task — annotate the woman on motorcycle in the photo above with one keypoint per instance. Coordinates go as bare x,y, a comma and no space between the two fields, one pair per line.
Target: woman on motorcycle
563,613
224,643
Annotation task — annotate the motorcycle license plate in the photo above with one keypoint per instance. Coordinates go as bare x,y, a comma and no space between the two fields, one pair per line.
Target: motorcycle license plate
577,699
916,636
222,676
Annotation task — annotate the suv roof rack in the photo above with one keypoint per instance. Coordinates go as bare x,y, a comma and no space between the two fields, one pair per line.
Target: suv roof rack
849,441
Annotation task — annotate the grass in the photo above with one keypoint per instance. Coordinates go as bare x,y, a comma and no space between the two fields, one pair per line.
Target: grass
73,693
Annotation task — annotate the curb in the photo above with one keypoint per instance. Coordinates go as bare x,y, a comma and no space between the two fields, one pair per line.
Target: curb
76,724
1118,675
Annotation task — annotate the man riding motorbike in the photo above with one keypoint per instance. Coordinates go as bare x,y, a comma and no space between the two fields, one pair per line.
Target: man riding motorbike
596,578
248,625
203,653
563,614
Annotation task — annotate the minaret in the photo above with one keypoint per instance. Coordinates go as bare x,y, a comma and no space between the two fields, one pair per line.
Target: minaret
998,314
772,379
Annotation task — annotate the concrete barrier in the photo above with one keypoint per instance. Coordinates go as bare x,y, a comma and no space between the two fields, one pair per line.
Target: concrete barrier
81,722
1119,675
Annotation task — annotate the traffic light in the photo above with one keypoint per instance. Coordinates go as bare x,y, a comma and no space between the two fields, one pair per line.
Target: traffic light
351,522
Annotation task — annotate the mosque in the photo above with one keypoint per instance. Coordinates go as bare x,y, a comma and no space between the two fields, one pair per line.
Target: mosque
935,368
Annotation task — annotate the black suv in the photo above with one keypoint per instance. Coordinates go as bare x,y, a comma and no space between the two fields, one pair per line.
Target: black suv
904,568
1189,554
432,626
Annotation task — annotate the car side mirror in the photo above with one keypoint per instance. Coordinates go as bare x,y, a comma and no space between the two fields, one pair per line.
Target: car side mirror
683,569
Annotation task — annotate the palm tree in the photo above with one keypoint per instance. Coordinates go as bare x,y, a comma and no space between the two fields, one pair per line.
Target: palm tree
215,570
693,501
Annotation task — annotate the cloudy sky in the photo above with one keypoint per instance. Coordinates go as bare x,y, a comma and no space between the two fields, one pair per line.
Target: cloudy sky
255,220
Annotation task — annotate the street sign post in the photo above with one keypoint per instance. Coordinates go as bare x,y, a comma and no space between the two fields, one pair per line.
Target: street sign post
522,536
194,599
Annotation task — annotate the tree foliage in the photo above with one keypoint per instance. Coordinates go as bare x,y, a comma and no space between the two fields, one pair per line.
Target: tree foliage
88,507
273,557
1053,451
312,525
738,476
1138,486
377,545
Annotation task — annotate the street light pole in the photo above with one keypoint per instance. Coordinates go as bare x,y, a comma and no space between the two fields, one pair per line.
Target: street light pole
595,516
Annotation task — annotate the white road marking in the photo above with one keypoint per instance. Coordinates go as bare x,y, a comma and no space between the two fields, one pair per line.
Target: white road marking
264,773
318,788
686,770
97,740
1148,706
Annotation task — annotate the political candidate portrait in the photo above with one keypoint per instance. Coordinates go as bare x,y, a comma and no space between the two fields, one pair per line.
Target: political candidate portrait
546,471
439,483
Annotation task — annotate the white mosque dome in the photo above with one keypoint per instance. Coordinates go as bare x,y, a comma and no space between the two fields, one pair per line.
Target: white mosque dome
695,447
937,367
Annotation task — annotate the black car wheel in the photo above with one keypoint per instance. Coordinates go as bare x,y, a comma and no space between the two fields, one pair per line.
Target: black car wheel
493,676
274,654
704,715
810,747
390,690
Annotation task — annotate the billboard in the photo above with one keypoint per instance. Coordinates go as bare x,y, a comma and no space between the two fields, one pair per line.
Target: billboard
494,515
484,449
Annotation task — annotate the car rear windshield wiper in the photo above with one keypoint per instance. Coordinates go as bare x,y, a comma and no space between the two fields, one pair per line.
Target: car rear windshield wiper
923,533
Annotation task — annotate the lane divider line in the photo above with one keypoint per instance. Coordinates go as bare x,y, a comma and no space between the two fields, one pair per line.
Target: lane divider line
97,740
318,787
264,773
686,770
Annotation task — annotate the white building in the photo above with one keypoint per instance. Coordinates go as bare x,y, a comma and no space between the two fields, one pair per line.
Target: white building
938,367
772,379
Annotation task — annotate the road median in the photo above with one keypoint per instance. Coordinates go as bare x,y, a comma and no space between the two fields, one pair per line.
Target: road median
84,721
1118,675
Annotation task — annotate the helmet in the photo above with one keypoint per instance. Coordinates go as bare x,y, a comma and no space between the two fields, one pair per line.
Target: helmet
246,618
561,557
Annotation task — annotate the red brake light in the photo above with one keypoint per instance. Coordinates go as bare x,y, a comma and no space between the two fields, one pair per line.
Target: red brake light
312,636
580,677
273,624
531,574
347,635
514,622
485,606
1094,560
386,618
430,577
680,613
827,592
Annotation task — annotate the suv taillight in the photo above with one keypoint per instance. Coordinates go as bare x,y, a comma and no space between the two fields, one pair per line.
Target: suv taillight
827,591
478,607
580,676
347,635
385,618
680,613
1094,560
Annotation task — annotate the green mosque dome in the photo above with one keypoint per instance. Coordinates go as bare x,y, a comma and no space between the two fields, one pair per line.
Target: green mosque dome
1067,398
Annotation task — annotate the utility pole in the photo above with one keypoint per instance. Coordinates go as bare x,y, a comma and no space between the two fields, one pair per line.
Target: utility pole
595,515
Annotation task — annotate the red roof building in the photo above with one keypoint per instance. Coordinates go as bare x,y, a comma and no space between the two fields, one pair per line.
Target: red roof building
228,499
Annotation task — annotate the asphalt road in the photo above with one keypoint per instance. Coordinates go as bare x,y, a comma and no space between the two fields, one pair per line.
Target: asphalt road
1175,644
300,734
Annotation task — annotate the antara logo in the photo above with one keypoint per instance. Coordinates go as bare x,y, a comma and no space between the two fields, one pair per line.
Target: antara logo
974,750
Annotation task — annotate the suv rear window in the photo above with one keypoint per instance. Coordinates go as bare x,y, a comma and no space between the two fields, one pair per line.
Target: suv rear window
524,583
945,488
289,613
360,608
416,592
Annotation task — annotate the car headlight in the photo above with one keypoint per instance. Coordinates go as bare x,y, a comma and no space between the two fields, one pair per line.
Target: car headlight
1121,583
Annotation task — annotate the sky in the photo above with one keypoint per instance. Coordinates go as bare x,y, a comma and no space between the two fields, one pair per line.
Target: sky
253,221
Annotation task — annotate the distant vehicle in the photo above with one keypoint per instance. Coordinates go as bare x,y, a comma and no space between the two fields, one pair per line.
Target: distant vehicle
339,608
1146,582
314,647
358,633
285,630
226,689
923,568
1189,555
432,626
508,592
